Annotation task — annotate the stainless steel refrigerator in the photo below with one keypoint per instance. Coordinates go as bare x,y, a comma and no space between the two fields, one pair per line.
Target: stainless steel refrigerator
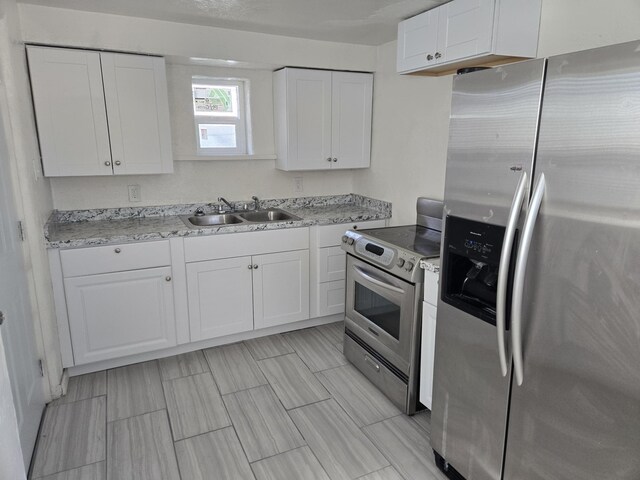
537,368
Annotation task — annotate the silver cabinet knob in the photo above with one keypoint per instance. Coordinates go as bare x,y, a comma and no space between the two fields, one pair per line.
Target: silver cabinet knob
438,55
335,160
168,278
250,267
107,163
118,162
429,57
328,159
255,267
117,250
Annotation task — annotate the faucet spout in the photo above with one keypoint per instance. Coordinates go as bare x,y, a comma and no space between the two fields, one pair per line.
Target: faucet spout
256,202
222,199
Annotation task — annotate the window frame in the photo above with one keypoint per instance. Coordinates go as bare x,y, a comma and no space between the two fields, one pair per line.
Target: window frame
240,121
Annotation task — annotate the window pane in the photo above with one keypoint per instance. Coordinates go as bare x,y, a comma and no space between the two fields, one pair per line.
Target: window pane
217,135
215,100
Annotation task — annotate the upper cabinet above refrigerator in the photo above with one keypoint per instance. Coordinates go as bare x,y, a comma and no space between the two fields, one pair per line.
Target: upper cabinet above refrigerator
322,119
100,113
468,33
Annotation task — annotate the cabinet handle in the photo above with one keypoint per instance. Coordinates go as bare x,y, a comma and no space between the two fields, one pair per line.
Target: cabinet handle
335,160
118,162
255,267
328,159
107,163
117,250
438,55
250,267
168,278
429,57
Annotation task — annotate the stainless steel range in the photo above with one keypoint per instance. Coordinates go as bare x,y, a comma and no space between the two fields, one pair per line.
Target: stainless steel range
383,304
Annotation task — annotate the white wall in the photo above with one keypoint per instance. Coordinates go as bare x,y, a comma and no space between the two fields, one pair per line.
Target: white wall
410,132
34,201
195,181
204,181
411,114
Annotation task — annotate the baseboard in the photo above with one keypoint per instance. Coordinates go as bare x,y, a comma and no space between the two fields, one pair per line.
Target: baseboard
190,347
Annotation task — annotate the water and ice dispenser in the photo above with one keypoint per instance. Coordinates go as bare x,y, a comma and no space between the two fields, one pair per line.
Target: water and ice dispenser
471,259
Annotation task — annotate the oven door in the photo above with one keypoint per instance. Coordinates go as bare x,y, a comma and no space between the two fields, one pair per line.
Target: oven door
380,310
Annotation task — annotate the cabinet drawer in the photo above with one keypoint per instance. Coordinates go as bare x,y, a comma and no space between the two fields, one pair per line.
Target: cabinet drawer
331,297
115,258
331,235
431,287
249,243
332,264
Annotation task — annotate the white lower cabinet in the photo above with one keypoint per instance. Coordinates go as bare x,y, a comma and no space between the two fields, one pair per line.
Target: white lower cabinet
240,294
328,266
427,354
123,313
220,298
243,293
428,340
280,288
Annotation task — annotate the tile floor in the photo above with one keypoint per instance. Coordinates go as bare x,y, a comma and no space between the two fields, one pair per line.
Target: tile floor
282,407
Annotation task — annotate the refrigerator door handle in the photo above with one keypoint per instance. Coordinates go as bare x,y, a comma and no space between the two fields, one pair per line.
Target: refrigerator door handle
518,280
503,271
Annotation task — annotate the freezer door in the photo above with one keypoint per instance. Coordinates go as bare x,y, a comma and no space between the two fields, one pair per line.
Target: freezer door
493,131
577,413
492,134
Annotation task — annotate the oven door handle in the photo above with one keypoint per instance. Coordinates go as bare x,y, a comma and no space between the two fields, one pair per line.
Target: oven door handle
375,281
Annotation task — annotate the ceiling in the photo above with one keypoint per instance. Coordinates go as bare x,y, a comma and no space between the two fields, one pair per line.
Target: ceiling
367,22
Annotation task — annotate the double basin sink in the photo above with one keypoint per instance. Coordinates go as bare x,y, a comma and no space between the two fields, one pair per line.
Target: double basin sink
256,216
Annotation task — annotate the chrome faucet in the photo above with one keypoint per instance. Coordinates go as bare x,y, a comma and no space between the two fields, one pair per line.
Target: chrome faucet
231,207
256,203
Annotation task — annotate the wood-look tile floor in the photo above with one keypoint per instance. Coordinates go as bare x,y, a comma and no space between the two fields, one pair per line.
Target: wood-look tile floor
284,407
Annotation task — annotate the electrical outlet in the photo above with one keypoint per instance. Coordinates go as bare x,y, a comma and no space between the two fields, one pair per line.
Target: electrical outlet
135,193
298,186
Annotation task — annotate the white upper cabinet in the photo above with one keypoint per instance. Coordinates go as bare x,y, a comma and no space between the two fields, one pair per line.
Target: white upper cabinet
467,33
135,90
100,113
71,114
323,119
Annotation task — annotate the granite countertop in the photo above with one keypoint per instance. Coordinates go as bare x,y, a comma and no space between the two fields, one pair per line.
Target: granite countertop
431,265
81,228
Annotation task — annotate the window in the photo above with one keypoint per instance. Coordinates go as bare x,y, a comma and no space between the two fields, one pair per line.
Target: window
219,110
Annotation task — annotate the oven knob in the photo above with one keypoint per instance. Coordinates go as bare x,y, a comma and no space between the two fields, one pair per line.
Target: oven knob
350,241
408,266
344,238
400,263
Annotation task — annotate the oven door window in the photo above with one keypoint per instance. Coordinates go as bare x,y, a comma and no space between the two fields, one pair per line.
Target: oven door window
378,310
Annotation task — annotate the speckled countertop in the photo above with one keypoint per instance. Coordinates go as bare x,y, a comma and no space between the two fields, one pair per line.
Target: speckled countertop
81,228
431,265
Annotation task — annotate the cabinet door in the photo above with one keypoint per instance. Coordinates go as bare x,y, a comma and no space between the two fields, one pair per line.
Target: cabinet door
220,298
427,353
135,88
331,297
465,30
69,104
117,314
280,288
309,119
352,97
417,41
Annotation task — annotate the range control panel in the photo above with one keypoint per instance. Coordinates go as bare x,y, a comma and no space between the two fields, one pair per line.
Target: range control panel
399,262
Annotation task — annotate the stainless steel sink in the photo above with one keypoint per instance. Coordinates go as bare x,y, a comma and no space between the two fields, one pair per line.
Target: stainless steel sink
270,215
212,220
